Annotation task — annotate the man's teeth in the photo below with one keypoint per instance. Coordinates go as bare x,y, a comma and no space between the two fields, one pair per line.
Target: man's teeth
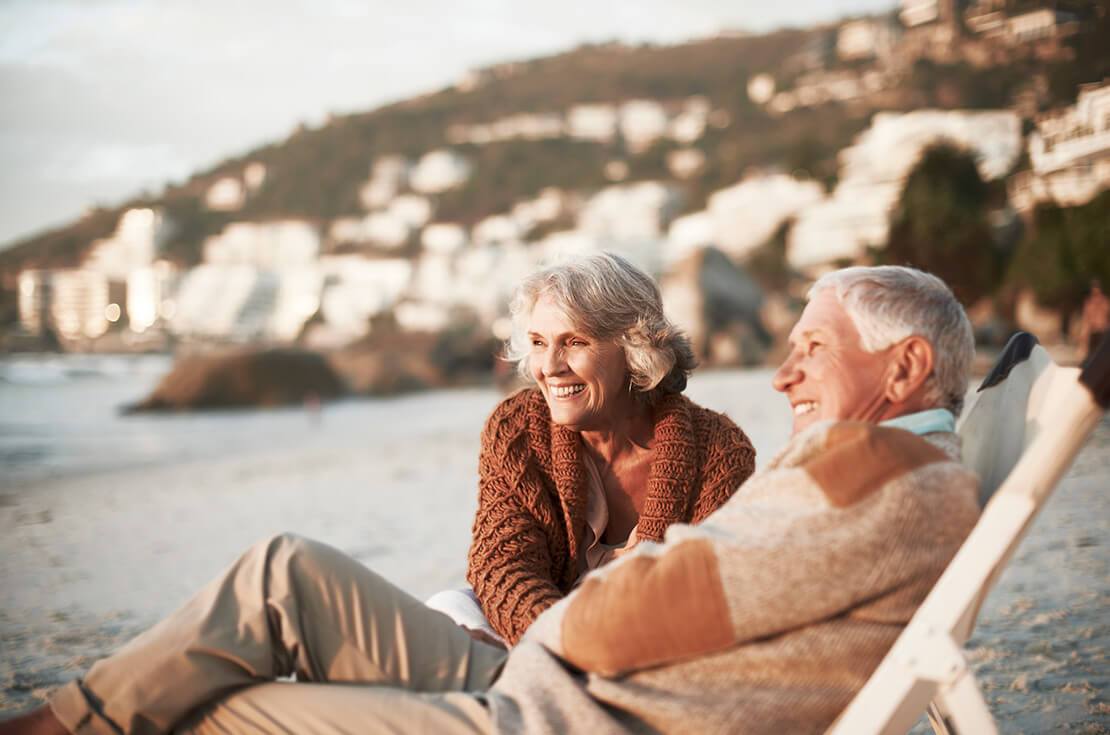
801,409
562,391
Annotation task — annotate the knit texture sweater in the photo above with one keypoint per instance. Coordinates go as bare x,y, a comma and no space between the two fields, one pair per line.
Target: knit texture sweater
532,494
767,617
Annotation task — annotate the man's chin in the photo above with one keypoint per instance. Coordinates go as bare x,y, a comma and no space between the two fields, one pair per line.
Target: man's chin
802,423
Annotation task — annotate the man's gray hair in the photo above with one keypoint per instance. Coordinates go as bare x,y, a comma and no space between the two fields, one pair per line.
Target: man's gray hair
889,303
608,298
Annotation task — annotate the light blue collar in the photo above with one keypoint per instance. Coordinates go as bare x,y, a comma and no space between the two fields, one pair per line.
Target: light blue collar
924,422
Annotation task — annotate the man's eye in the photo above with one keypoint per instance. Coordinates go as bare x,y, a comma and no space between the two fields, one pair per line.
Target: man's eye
578,343
813,347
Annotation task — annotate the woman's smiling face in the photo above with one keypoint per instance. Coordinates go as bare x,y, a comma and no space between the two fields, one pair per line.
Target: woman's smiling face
584,380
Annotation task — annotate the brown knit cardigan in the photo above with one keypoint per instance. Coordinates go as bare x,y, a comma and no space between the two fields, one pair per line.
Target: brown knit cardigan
532,494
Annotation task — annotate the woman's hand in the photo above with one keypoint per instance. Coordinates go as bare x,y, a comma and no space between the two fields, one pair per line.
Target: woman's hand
629,545
484,637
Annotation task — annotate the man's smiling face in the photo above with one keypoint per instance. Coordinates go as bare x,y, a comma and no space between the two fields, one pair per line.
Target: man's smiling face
828,375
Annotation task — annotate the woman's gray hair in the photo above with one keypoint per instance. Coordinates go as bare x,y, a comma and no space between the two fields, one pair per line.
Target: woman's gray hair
889,303
608,298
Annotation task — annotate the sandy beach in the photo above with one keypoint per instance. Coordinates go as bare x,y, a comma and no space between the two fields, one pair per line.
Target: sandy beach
107,523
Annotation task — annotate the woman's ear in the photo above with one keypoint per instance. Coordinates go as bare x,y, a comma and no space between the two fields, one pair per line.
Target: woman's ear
912,362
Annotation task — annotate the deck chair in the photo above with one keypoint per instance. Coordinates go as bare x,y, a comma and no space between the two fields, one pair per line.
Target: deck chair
925,670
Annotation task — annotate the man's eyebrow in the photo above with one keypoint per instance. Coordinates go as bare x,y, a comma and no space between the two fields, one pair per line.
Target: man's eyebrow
807,334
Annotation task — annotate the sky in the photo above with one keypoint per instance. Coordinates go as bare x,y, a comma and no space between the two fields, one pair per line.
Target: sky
103,99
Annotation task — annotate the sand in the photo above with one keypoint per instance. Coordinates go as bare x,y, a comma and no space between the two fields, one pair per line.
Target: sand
112,522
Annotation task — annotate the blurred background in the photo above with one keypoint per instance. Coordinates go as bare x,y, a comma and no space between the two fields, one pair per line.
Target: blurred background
320,209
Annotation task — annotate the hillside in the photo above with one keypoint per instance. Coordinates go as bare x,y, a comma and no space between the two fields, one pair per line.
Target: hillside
315,174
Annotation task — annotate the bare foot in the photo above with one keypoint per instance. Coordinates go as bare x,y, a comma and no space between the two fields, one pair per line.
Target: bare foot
39,721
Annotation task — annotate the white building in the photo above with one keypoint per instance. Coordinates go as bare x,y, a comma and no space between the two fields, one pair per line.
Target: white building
297,299
549,205
1069,152
863,39
386,230
439,171
134,244
79,303
639,211
920,12
642,122
412,209
596,122
497,229
740,218
346,230
689,124
761,88
874,168
266,245
225,195
685,162
388,177
444,238
356,289
150,295
34,301
525,126
1040,24
822,87
211,299
254,176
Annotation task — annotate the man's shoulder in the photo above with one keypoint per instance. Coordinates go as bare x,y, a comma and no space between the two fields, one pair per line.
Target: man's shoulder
850,460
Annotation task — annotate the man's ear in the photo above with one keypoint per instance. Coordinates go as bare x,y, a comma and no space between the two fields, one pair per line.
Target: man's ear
911,365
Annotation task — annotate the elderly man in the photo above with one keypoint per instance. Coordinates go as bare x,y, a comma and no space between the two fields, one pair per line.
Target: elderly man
767,617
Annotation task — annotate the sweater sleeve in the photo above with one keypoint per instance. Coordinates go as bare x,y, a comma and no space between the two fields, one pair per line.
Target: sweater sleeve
866,530
509,565
729,460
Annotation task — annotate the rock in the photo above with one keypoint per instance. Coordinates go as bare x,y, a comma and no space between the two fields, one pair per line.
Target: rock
273,377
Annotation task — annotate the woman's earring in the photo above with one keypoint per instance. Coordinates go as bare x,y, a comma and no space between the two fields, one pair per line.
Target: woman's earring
629,386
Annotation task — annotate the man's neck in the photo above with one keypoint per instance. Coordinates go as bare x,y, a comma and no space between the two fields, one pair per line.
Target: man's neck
926,421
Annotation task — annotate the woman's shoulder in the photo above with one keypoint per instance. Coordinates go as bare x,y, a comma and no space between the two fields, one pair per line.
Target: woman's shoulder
519,413
715,427
525,404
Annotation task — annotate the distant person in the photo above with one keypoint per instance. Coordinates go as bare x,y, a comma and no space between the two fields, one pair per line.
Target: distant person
1095,319
602,453
767,617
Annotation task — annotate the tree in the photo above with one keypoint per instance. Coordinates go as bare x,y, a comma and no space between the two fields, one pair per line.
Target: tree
940,224
1064,250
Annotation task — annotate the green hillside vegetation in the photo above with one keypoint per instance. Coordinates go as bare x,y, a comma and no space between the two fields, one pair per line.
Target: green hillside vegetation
316,173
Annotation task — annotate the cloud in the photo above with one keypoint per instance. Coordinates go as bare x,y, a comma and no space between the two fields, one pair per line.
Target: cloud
105,89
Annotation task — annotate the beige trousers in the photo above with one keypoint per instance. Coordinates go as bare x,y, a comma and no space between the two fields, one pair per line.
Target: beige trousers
367,657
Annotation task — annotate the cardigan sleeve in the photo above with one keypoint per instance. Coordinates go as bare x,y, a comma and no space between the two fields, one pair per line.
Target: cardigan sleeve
729,460
510,565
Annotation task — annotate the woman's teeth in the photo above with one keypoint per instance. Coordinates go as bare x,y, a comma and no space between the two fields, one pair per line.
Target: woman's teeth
564,391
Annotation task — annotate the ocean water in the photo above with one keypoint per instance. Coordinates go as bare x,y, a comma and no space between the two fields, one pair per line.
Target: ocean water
108,522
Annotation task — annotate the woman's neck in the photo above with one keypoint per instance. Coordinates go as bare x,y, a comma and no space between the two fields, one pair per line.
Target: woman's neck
631,431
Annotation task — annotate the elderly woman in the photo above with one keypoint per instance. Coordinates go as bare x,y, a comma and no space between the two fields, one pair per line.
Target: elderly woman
603,452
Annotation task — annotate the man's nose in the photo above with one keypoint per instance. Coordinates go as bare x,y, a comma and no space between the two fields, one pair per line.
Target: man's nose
787,374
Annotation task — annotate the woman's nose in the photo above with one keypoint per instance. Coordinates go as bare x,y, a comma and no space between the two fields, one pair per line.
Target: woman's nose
553,361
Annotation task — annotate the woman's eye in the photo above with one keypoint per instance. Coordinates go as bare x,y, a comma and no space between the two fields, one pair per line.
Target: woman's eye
537,343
